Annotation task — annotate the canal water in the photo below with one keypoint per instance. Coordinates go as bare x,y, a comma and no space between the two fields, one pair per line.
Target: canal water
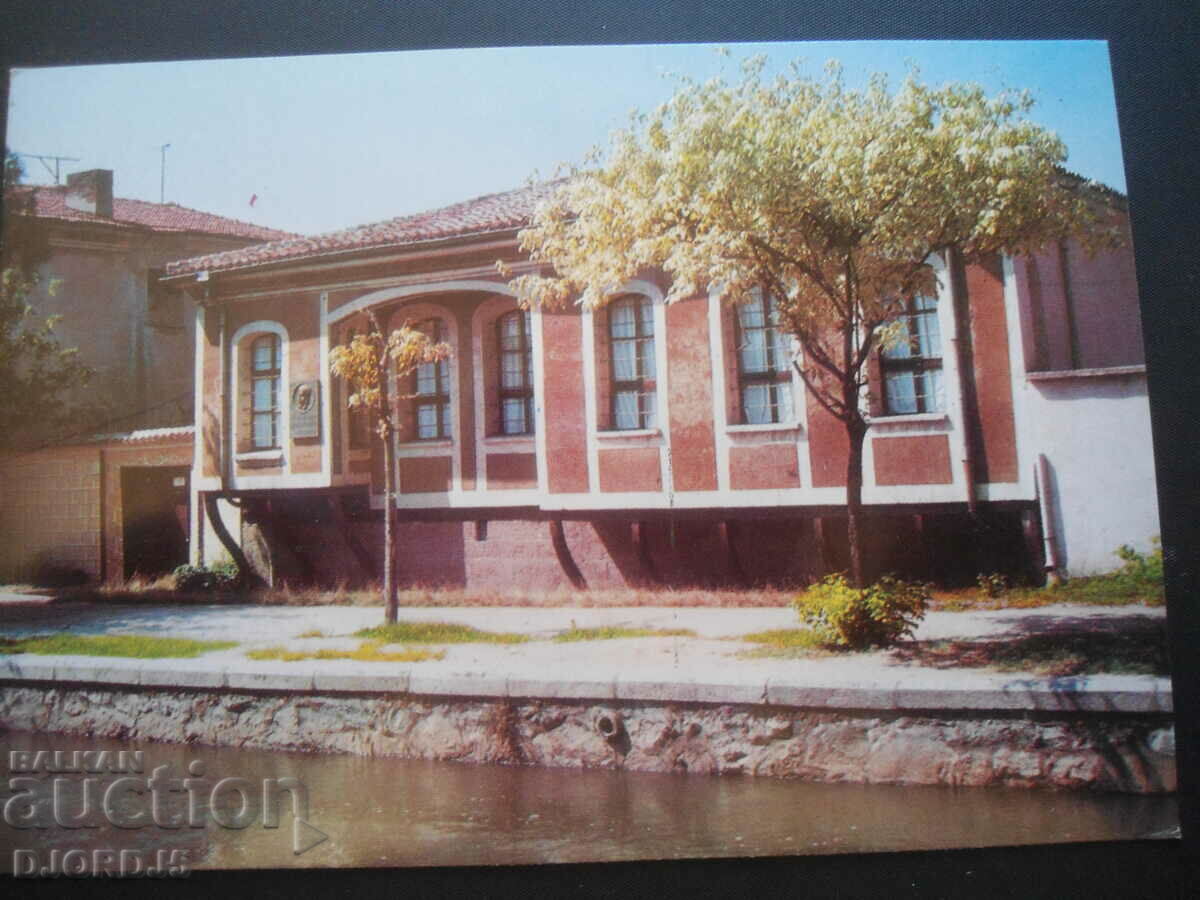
391,812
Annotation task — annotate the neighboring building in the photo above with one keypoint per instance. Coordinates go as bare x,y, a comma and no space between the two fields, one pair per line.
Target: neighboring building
101,277
99,508
653,443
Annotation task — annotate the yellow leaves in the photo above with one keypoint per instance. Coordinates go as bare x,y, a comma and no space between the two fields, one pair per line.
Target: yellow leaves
364,363
792,181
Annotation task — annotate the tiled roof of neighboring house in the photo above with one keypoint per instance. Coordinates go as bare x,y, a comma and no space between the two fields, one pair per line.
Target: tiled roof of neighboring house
51,203
492,212
146,435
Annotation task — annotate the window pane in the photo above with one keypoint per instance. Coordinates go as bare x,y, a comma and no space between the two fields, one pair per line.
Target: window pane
753,352
930,385
512,371
647,358
514,417
783,402
427,421
929,337
783,349
750,314
623,362
510,330
621,321
443,370
264,394
901,393
649,410
625,410
426,379
264,430
265,355
646,316
756,404
447,431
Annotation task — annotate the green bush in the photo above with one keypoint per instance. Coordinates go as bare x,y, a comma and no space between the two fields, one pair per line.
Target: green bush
1141,568
219,576
856,618
993,585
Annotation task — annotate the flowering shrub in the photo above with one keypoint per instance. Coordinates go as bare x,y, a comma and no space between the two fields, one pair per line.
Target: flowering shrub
856,618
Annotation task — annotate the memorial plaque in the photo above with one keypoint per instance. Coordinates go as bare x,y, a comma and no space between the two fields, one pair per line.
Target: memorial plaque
306,410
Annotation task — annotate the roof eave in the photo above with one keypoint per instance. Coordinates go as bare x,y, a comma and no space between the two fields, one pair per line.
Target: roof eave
335,255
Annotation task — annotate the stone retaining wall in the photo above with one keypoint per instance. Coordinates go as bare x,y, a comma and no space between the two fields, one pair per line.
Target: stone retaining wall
1132,753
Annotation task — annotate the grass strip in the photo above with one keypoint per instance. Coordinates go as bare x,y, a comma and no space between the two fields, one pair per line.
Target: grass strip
614,632
784,643
438,633
367,651
785,638
138,646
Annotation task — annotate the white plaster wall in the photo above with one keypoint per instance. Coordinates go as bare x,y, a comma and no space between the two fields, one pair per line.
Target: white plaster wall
1095,433
213,550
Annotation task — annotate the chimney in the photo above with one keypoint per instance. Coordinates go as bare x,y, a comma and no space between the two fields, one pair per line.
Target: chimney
91,192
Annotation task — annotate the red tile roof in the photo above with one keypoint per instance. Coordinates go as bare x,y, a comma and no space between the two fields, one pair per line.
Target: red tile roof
492,212
51,203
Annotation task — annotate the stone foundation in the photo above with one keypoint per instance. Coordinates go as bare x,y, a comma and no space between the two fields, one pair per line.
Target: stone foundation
1132,753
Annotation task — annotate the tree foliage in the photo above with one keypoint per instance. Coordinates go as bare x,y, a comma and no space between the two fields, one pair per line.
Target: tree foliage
369,363
36,371
833,199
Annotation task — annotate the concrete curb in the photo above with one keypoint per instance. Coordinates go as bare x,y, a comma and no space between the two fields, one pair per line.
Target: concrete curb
1120,694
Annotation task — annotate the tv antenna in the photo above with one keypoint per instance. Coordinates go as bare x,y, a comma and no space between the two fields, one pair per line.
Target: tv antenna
162,181
45,159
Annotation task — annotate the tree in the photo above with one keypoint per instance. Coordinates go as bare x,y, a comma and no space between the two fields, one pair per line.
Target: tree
831,199
35,369
365,363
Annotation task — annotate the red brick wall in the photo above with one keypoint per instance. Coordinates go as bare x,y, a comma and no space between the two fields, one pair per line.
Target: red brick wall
1104,295
637,469
519,556
997,457
300,316
769,466
921,459
425,474
829,447
1103,312
566,432
689,374
511,471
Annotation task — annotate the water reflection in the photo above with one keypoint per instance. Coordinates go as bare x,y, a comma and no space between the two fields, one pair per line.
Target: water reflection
387,812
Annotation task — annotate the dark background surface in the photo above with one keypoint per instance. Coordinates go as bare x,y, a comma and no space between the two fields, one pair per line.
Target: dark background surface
1156,67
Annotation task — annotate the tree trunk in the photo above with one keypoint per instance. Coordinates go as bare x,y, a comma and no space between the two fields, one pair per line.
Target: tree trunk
391,600
856,430
245,575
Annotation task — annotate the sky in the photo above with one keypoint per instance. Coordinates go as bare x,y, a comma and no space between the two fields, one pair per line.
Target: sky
322,143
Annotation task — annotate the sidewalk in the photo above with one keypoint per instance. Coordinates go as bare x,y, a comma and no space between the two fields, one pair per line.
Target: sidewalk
704,668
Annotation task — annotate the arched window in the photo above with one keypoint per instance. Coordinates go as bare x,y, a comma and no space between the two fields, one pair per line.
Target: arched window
764,363
516,372
632,363
431,391
912,366
264,392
